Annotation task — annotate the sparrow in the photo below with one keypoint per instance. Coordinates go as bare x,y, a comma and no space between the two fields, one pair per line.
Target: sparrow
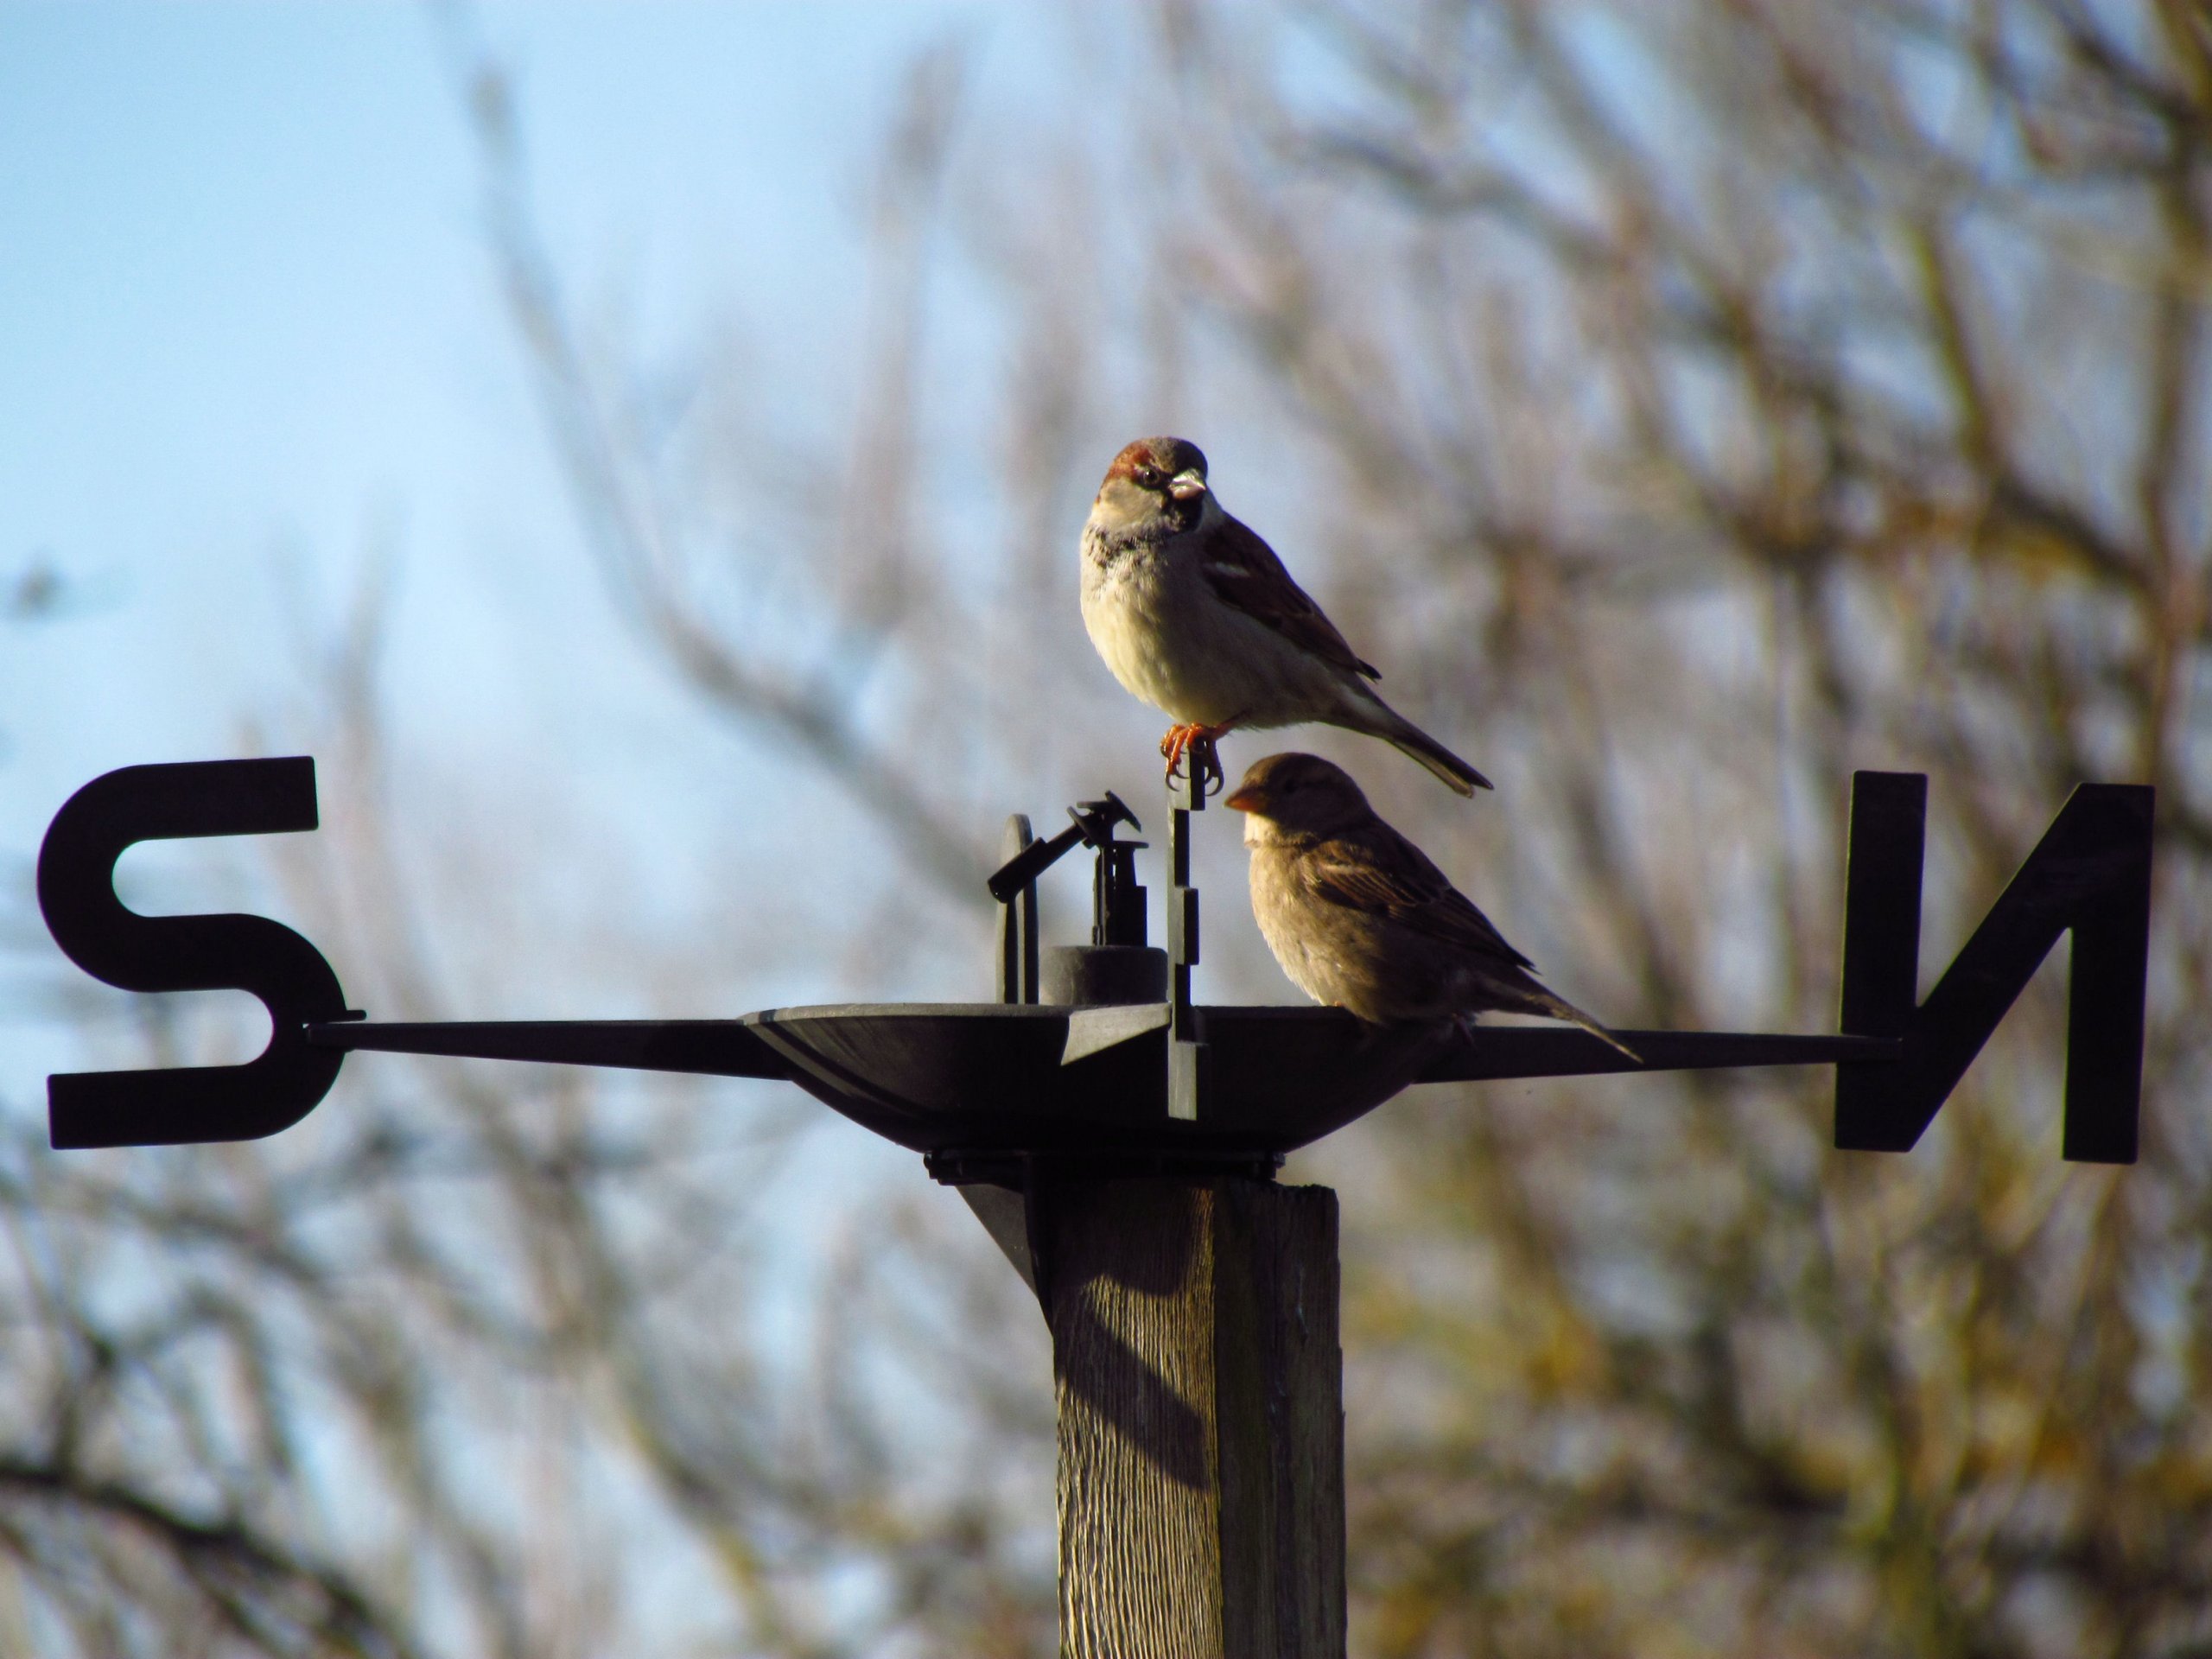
1195,614
1360,919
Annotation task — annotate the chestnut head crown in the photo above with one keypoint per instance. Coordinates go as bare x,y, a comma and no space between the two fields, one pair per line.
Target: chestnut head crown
1155,487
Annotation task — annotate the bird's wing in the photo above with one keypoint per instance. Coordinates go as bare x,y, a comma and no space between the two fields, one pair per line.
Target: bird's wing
1377,870
1245,572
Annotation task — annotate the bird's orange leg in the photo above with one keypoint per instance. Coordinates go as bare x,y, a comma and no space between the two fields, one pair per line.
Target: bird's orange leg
1172,746
1197,740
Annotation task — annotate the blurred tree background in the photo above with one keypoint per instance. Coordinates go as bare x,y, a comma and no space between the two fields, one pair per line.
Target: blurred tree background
1687,402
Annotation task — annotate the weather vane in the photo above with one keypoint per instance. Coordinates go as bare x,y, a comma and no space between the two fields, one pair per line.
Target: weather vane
1097,1053
1120,1138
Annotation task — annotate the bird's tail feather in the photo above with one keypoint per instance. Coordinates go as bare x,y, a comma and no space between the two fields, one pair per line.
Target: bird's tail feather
1408,739
1555,1006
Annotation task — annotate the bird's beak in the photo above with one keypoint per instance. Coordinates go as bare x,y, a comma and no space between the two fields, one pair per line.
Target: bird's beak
1185,487
1244,800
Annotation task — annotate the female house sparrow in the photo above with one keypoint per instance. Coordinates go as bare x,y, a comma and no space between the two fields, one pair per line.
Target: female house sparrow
1358,916
1195,614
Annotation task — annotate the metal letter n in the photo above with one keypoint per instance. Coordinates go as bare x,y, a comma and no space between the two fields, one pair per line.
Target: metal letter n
2090,874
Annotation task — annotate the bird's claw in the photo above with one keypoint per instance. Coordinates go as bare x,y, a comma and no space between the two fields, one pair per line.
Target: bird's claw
1198,743
1207,772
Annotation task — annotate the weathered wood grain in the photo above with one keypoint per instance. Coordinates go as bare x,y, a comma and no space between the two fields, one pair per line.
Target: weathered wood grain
1201,1423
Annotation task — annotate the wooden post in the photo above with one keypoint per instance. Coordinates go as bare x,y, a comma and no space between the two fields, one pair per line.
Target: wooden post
1201,1418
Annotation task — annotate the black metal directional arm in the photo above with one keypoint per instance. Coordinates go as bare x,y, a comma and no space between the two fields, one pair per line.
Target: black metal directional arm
1496,1053
721,1048
977,1084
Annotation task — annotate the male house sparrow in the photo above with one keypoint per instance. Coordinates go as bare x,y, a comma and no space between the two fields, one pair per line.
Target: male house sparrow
1195,614
1358,916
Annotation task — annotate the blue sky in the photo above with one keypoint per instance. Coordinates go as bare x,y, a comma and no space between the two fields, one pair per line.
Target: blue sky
244,305
248,330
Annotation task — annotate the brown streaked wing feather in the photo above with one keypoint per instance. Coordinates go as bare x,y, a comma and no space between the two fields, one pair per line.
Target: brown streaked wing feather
1378,870
1245,572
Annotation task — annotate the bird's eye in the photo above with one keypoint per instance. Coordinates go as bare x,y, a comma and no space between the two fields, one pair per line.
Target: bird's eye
1150,478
